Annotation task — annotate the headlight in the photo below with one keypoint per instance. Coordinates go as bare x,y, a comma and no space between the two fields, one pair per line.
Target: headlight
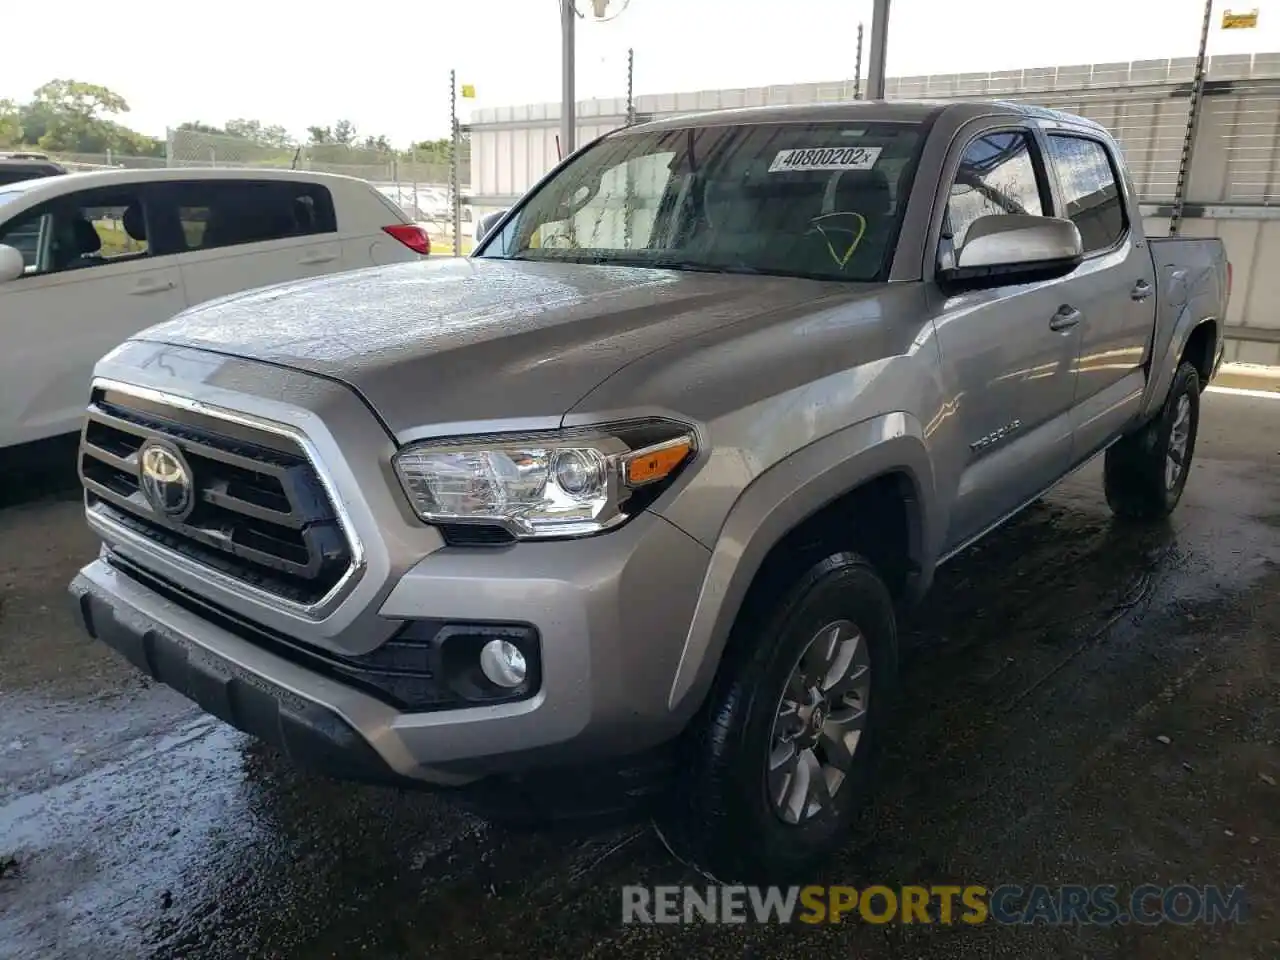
561,484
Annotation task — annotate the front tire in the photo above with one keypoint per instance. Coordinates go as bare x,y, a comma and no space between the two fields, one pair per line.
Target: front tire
1146,472
778,762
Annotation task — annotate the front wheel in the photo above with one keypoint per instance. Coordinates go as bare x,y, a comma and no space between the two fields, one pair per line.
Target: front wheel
778,761
1146,472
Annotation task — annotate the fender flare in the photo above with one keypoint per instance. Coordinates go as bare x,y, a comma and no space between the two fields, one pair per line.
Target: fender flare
1164,364
774,504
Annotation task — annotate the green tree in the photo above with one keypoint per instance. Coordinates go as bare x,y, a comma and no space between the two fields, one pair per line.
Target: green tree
344,132
437,151
196,126
268,135
320,134
131,143
77,116
34,118
432,149
10,124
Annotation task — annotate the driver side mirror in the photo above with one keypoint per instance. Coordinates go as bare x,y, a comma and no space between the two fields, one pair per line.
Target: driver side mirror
486,224
12,266
1013,248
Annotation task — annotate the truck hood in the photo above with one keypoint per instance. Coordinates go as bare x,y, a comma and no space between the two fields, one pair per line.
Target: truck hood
495,343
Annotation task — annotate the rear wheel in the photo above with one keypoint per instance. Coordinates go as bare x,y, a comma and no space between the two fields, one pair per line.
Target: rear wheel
778,762
1146,472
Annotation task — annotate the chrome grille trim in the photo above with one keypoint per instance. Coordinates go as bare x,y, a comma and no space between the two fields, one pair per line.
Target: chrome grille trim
261,506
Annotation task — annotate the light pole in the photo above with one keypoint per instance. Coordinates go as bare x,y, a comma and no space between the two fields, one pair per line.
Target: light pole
879,40
568,122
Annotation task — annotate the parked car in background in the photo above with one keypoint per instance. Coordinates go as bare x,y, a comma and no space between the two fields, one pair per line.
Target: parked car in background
15,167
87,259
630,498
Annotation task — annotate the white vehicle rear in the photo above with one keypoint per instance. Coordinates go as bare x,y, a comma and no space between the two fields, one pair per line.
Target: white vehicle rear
87,260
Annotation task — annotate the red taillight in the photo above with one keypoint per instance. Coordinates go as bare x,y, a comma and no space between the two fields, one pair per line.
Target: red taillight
412,236
1229,274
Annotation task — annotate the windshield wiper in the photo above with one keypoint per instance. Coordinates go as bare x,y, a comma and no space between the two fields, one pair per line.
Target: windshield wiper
694,266
674,263
736,268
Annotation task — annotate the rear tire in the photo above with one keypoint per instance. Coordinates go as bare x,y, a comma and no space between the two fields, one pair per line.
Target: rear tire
778,761
1146,472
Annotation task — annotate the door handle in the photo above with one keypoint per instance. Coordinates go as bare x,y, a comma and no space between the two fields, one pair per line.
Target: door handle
315,258
1141,290
144,287
1066,318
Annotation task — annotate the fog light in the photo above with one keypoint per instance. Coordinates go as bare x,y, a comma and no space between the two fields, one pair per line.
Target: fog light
503,663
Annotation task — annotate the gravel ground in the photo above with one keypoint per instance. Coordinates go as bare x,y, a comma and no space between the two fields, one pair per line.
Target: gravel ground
1081,703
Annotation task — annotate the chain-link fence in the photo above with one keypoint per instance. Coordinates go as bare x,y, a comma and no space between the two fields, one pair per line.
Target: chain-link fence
95,161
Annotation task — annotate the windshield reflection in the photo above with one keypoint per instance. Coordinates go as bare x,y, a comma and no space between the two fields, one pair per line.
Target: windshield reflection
816,200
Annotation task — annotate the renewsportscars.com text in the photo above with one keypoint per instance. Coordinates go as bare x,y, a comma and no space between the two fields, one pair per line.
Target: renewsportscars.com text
1098,905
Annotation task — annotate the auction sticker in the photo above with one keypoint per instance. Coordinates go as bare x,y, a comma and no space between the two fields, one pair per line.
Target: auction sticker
825,158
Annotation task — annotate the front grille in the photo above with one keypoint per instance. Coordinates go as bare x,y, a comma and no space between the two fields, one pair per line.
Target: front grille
259,512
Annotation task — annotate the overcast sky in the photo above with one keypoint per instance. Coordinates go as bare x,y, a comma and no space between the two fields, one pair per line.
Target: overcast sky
385,65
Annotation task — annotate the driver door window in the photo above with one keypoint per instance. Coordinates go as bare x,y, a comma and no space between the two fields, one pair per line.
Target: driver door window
30,235
93,229
996,175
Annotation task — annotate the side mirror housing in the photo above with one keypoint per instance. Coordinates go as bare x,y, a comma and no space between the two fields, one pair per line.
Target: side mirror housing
12,266
485,225
1012,248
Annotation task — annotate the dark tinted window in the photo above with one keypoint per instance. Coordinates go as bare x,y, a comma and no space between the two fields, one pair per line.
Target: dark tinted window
996,175
1089,189
93,228
11,172
10,175
222,213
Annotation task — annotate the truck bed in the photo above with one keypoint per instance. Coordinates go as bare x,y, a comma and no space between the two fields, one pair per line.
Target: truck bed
1192,276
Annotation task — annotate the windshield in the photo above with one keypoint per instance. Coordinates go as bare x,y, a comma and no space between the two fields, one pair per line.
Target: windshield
820,200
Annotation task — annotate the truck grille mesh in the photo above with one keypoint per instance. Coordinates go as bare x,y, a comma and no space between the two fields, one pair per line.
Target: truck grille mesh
258,510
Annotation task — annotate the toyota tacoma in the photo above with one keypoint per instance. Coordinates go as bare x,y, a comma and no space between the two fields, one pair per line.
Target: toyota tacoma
630,496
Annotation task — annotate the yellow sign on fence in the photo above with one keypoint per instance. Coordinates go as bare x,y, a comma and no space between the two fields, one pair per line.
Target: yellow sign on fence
469,90
1239,21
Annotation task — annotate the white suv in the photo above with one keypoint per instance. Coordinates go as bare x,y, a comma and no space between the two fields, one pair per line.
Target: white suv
88,259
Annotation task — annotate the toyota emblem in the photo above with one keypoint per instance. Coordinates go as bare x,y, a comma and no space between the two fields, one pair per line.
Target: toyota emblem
166,480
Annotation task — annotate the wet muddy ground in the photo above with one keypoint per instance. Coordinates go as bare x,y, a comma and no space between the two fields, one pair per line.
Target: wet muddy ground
1081,703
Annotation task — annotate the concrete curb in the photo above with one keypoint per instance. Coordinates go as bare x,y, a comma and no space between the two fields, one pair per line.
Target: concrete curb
1248,376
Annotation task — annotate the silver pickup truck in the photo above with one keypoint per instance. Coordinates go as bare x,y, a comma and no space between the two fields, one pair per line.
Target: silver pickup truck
620,508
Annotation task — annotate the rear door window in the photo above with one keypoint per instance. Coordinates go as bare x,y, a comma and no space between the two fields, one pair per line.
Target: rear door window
225,213
1089,190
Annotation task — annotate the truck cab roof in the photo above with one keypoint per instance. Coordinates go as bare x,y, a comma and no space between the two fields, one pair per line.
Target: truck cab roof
904,111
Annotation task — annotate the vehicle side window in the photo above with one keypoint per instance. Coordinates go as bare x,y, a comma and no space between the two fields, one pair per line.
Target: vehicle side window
1092,197
28,234
94,228
224,213
996,175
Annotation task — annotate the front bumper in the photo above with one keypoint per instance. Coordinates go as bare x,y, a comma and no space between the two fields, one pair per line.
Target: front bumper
154,637
612,613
